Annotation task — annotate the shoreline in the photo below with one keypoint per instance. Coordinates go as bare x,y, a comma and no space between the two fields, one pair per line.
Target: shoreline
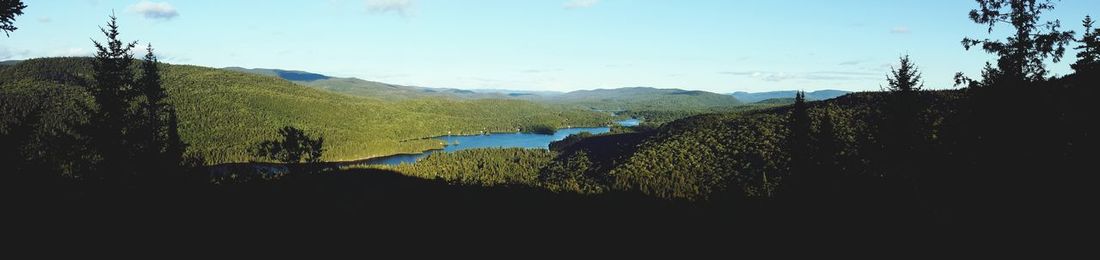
360,161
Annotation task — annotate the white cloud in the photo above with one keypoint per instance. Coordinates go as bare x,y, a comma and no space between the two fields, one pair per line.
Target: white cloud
900,30
44,19
578,4
402,7
154,10
6,54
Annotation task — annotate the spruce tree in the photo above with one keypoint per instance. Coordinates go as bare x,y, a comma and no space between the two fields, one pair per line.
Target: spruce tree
1021,56
158,136
1088,56
901,116
905,78
112,90
827,148
799,139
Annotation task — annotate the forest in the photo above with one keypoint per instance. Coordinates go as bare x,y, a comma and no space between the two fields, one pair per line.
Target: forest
1007,148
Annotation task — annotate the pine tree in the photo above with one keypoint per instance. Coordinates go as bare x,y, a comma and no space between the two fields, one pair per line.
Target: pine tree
175,147
1088,56
799,140
159,136
905,78
1021,55
827,148
901,116
112,90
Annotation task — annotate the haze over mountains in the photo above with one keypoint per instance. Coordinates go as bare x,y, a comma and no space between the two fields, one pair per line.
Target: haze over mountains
360,87
605,99
751,97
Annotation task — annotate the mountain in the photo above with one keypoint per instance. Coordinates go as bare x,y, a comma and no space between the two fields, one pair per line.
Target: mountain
640,99
618,99
10,62
366,88
751,97
291,75
224,113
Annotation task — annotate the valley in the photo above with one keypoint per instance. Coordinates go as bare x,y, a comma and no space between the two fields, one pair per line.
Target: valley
590,119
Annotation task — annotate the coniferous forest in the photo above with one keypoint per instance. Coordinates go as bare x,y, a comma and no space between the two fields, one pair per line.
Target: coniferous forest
123,139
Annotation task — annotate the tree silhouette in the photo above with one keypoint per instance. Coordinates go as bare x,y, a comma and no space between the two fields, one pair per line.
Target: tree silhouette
901,135
156,135
295,147
113,92
1088,56
799,139
905,78
827,149
1022,54
8,10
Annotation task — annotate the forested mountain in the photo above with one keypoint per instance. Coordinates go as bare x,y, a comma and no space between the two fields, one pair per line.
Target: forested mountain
291,75
641,99
751,97
366,88
618,99
852,148
224,113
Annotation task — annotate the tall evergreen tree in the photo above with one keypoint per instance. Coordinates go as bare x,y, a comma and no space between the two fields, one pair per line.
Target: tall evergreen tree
156,133
1088,55
1021,56
827,149
175,147
799,139
113,92
8,10
905,78
901,116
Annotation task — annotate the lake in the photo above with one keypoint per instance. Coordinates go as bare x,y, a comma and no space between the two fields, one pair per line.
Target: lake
502,140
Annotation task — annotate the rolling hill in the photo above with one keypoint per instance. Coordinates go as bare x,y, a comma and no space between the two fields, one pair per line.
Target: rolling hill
641,99
761,96
366,88
618,99
224,113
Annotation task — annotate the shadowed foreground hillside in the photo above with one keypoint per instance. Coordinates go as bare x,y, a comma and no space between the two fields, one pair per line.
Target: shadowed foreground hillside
972,157
974,154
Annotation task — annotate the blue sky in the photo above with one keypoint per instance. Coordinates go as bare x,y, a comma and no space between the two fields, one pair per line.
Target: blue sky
721,46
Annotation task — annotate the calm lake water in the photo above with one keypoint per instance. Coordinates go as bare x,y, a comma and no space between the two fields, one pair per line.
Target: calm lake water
506,140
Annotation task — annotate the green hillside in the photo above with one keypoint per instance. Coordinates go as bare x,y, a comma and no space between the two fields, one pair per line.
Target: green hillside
366,88
960,139
729,154
636,99
224,113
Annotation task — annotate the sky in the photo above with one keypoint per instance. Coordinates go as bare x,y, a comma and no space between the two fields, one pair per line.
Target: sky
561,45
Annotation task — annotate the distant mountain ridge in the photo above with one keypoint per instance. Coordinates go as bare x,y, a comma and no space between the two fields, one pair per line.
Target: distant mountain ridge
752,97
291,75
365,88
629,98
